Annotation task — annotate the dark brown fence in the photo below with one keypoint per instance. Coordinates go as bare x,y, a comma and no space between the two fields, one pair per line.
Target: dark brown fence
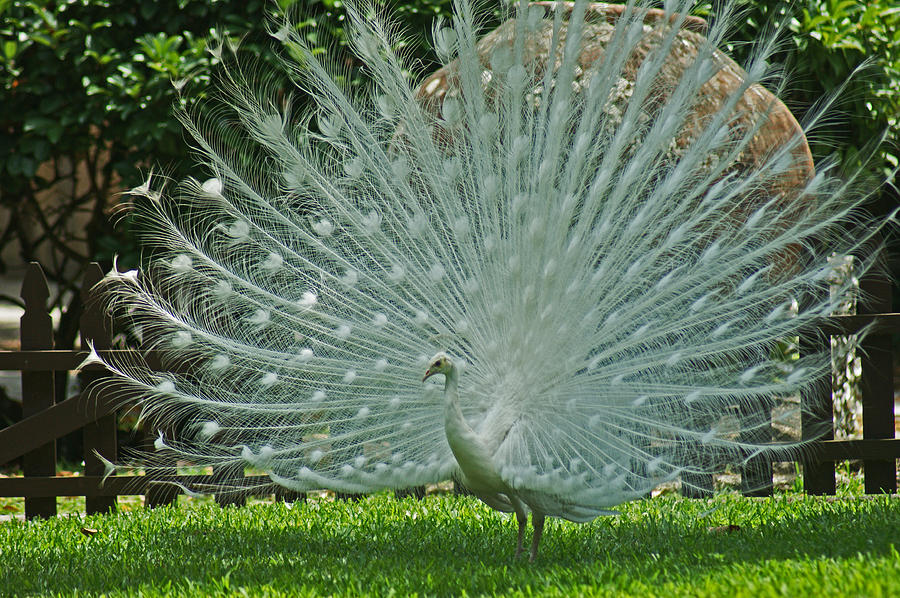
44,420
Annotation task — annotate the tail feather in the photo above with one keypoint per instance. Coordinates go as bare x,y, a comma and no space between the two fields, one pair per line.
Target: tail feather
611,255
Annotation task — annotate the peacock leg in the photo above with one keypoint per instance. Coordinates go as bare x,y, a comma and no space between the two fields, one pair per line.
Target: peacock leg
537,522
522,519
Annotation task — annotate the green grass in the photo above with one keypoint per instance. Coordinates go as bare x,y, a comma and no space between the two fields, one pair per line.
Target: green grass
790,545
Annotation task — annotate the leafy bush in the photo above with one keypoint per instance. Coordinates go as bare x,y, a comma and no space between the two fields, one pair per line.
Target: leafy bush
88,85
829,40
88,94
87,111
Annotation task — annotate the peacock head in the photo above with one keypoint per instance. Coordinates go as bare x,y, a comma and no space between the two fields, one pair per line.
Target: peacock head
439,364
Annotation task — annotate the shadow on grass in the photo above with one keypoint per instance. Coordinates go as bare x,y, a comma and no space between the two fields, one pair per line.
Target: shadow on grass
432,549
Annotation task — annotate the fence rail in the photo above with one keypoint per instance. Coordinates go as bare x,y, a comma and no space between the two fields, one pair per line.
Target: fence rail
44,420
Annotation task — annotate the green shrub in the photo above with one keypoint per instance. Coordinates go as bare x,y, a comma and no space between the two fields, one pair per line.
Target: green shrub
89,83
829,40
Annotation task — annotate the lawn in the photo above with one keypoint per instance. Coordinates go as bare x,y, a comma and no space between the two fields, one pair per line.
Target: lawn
790,545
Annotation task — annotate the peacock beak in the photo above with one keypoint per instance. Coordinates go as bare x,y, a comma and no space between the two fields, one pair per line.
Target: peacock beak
428,374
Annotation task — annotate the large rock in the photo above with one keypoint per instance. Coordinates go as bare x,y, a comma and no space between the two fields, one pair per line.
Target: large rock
778,124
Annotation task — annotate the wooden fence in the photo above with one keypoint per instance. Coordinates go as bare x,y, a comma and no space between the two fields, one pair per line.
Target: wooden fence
44,420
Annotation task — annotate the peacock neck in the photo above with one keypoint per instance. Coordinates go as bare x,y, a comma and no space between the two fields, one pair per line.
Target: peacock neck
474,461
454,422
451,387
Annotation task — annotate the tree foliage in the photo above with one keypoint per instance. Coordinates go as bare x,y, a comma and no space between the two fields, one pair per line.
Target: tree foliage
89,86
88,90
832,43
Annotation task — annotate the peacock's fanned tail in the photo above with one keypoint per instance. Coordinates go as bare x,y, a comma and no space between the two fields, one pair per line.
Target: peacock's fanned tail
612,271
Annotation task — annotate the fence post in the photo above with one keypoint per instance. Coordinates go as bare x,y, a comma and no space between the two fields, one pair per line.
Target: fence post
36,332
161,493
756,473
223,475
817,422
99,436
283,494
877,386
698,485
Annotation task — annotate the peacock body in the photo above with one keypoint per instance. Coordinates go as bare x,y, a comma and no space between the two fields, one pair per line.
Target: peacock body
601,275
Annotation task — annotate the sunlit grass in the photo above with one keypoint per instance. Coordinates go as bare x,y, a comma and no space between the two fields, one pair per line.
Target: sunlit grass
448,545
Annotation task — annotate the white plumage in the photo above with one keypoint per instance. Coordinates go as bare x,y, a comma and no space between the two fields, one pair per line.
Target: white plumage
607,291
480,465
